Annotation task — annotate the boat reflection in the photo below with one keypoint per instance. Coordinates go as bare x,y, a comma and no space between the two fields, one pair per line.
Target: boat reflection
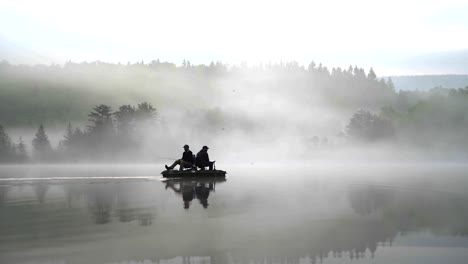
194,188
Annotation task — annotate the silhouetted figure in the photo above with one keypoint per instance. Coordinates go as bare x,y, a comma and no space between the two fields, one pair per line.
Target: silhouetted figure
190,189
202,192
202,160
185,162
187,195
186,189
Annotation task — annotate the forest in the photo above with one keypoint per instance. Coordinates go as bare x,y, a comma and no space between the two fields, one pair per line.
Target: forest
159,105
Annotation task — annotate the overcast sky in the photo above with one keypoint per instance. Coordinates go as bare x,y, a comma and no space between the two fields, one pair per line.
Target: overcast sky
382,34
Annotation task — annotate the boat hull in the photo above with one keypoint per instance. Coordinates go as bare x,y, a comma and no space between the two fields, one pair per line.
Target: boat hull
193,173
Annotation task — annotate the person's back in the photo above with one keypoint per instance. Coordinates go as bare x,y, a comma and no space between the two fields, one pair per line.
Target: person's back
203,160
202,157
187,156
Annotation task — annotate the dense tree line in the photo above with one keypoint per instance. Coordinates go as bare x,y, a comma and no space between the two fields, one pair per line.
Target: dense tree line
436,118
216,98
9,151
31,95
108,134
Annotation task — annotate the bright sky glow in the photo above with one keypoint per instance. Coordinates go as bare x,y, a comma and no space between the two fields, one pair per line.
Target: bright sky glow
333,32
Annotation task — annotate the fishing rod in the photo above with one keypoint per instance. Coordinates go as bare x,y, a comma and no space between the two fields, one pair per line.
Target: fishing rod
166,158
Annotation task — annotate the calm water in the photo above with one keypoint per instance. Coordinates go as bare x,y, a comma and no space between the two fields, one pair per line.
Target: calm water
329,214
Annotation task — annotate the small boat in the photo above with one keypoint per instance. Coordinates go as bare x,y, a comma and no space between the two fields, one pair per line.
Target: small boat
206,179
193,173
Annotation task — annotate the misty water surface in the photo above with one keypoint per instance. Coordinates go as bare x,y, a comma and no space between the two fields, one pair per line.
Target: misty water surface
332,214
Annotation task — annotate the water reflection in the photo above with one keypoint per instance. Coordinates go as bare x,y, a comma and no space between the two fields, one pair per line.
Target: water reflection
40,189
100,203
244,220
442,213
193,188
3,193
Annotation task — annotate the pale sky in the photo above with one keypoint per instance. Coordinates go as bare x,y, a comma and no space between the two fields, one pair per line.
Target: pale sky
337,33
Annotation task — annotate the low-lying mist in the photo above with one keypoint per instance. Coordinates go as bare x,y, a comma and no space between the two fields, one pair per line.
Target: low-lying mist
100,112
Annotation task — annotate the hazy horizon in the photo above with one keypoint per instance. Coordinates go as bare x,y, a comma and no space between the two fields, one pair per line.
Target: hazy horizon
398,38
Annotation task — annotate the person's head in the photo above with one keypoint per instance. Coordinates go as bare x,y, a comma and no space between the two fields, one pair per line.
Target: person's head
186,147
205,148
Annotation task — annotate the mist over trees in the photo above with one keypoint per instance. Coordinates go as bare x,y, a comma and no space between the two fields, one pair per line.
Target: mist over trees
427,82
9,151
6,148
31,95
365,126
111,136
251,104
42,150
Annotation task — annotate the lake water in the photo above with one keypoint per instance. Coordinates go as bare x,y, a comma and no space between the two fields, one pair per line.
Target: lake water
335,213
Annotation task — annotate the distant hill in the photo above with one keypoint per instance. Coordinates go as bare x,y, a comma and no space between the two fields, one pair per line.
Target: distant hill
427,82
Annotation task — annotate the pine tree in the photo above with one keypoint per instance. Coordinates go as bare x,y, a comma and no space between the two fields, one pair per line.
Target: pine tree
41,145
145,111
68,137
126,125
390,83
101,118
311,66
125,118
100,135
6,148
371,75
366,126
21,153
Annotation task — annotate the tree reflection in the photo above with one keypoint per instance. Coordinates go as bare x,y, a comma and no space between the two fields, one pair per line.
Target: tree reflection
100,205
40,190
125,202
407,210
3,193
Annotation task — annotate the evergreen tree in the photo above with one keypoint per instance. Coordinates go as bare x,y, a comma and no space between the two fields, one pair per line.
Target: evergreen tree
145,111
366,126
100,136
125,119
68,137
126,125
390,83
78,134
371,75
6,148
101,118
42,149
21,152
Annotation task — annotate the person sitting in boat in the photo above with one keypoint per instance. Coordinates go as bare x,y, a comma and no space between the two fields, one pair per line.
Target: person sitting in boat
185,162
202,160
